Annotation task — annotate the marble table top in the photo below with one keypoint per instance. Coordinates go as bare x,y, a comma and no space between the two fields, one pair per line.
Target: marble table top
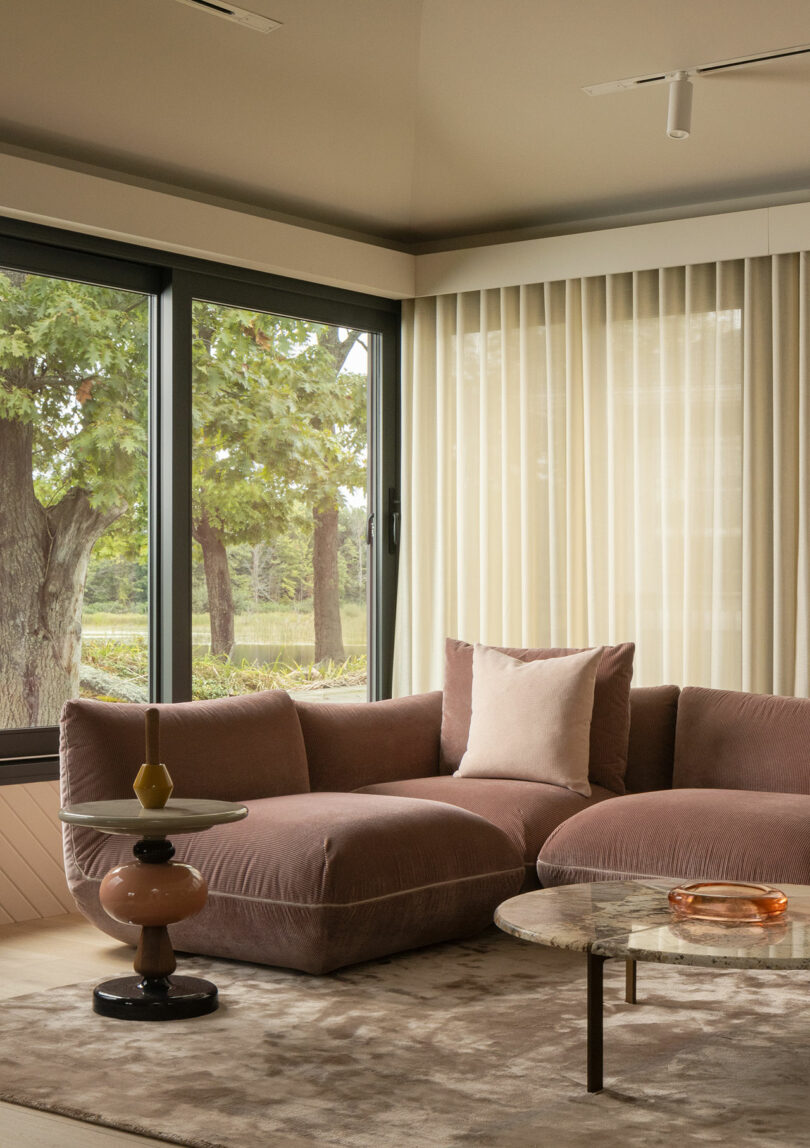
633,920
129,817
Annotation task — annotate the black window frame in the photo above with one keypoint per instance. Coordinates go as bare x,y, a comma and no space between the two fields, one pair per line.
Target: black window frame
173,282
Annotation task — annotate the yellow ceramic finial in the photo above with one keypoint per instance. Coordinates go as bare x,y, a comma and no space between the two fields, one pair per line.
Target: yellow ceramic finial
153,786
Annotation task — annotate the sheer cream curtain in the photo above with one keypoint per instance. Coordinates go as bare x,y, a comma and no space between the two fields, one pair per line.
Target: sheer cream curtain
611,459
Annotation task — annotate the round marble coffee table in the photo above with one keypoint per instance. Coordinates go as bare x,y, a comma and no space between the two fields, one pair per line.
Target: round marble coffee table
632,920
153,891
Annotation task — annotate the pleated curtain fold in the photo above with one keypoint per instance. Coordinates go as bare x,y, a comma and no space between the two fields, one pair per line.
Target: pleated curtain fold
618,458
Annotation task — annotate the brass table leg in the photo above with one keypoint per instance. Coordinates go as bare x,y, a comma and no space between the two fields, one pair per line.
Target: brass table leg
630,981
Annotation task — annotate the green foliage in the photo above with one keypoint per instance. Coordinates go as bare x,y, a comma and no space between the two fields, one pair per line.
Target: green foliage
275,423
116,585
73,365
267,576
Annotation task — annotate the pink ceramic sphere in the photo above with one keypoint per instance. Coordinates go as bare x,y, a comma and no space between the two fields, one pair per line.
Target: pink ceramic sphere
140,894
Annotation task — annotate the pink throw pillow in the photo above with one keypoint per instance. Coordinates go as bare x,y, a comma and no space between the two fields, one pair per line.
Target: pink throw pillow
531,721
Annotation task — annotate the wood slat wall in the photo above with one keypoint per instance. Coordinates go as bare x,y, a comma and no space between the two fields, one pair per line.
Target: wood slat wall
32,876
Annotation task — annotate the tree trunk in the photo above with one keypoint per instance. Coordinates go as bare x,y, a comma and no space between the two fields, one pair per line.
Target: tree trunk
218,584
43,567
325,583
325,586
255,573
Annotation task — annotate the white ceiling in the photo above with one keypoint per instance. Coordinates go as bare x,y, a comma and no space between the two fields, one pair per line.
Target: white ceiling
415,121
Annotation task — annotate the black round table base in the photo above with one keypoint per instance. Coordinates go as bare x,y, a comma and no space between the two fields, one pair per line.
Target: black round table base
169,998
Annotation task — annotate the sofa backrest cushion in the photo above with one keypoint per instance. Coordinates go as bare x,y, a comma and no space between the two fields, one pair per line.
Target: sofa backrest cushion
725,739
365,743
228,749
610,724
653,711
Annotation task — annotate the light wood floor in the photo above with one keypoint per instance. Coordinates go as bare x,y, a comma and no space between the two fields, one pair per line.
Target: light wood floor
42,954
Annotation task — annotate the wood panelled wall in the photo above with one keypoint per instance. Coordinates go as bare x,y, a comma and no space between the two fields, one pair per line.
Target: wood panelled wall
32,876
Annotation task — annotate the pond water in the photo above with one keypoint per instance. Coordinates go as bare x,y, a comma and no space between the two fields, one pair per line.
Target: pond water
254,644
266,654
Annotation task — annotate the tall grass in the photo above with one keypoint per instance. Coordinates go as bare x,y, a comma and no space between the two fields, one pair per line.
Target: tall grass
217,677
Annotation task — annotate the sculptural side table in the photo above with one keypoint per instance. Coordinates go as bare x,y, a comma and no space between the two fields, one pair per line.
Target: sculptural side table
153,891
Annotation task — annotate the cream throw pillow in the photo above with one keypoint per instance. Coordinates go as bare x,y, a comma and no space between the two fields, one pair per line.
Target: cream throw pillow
531,721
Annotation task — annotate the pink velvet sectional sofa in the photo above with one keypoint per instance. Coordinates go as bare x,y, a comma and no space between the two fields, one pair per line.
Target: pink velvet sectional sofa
361,842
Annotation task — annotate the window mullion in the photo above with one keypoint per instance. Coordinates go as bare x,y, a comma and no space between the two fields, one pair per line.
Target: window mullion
170,611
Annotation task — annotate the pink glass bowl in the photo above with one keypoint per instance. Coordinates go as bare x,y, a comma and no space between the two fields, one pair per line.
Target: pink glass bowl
727,902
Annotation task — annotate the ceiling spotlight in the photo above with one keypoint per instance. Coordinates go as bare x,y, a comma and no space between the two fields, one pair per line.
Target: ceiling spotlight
679,117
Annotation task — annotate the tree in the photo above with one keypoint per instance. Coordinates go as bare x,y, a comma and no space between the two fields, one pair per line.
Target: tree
73,403
273,423
248,444
344,442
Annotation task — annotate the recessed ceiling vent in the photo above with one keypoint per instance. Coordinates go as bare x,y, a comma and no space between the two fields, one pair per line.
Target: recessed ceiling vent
234,14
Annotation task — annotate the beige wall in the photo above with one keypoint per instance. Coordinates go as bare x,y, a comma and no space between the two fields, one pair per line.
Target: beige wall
95,205
32,879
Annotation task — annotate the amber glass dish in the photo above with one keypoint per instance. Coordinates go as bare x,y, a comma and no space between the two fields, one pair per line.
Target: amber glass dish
727,902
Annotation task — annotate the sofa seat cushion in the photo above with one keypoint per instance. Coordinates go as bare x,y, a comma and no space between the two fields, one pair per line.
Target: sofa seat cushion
316,881
527,811
716,834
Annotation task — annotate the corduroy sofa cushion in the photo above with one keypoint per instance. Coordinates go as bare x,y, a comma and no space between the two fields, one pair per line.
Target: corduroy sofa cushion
730,740
610,723
319,880
229,749
527,811
716,834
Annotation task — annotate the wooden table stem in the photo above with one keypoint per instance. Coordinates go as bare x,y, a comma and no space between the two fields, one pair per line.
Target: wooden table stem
155,956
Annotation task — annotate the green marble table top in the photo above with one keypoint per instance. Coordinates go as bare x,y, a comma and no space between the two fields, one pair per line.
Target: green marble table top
633,920
189,815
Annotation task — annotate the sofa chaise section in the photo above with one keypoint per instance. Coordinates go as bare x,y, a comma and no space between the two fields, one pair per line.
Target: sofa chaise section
309,880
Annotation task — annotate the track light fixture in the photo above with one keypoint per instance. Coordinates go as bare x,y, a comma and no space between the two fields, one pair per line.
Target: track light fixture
679,116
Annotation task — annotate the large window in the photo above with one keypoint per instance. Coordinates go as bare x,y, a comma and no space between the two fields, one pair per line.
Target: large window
198,485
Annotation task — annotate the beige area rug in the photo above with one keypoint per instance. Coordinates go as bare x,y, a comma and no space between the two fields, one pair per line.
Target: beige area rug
480,1043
